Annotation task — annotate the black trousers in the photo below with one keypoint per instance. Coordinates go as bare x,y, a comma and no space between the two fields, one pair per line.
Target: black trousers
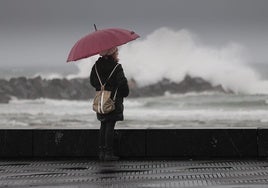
106,134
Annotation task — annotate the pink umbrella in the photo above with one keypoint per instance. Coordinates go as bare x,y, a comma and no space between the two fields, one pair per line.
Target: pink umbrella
99,41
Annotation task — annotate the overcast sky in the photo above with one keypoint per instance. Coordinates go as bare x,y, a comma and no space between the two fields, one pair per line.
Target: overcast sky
41,32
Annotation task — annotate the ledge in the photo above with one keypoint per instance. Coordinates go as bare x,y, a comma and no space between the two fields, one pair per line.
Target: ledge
138,143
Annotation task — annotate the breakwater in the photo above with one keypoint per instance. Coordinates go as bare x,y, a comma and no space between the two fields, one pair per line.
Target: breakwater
80,88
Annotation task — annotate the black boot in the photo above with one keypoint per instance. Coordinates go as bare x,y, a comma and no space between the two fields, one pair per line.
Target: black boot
101,153
109,155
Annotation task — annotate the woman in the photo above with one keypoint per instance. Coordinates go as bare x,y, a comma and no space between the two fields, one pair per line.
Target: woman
105,64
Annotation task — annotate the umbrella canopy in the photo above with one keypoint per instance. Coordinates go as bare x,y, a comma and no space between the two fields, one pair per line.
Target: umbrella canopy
99,41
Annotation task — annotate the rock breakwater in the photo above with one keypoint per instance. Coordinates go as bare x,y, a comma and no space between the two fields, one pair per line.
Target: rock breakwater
80,88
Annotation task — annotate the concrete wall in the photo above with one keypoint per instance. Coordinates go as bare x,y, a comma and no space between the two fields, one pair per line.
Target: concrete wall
143,143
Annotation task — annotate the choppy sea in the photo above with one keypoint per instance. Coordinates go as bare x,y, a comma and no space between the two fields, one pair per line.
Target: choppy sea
213,110
190,110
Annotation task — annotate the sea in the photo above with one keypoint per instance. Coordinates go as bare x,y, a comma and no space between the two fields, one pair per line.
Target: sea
172,111
192,110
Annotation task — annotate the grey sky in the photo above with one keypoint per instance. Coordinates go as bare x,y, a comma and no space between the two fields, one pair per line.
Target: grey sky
35,32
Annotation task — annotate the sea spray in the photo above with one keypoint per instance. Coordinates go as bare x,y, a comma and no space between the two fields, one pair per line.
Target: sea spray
170,54
84,67
48,76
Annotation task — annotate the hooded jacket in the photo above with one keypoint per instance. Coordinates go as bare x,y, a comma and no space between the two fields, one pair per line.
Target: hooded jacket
105,65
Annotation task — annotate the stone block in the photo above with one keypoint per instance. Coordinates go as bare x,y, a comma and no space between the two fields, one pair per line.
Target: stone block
65,143
205,143
130,143
263,142
15,143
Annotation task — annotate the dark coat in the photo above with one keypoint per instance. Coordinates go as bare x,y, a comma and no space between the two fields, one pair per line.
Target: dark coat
117,80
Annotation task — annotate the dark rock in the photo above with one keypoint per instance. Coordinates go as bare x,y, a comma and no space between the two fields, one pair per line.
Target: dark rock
188,84
5,87
4,98
38,86
80,88
197,84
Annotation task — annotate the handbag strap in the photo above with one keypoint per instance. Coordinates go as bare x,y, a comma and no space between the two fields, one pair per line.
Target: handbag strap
115,94
102,85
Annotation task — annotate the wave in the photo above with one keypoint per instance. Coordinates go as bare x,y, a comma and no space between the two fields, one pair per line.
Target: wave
145,107
167,100
204,93
50,102
130,103
184,110
206,100
197,114
48,76
171,54
84,67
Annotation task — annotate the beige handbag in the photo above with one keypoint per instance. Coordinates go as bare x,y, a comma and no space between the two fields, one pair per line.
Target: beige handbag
102,103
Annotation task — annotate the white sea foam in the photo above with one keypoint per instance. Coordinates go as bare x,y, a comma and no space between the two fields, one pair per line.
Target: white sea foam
48,76
51,102
176,111
172,54
205,93
198,114
46,106
134,103
264,120
84,67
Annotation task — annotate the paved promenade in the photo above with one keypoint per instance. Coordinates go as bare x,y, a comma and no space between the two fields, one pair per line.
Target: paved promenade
136,173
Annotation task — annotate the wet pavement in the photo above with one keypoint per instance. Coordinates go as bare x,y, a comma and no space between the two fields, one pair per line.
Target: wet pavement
134,173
